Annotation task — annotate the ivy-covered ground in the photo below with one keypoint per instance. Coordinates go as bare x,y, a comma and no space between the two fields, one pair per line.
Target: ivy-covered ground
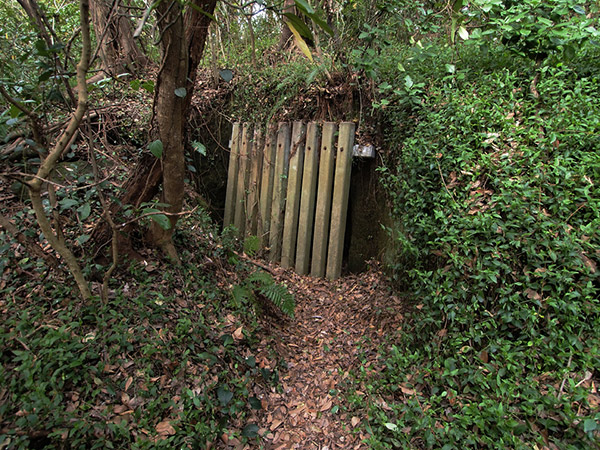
198,356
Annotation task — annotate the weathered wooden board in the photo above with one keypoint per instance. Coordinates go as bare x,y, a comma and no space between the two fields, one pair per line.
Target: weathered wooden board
266,186
339,207
294,189
323,208
308,198
232,175
239,220
279,191
256,161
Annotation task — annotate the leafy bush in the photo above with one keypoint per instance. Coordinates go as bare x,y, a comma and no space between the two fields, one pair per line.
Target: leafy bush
496,196
154,367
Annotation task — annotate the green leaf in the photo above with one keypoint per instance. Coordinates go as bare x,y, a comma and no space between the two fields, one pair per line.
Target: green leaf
224,395
391,426
148,86
408,82
569,52
226,74
45,76
201,11
255,403
589,425
67,203
14,112
304,7
322,24
227,339
83,239
84,211
300,42
298,25
250,430
156,148
181,92
199,147
161,220
463,33
579,9
450,68
41,48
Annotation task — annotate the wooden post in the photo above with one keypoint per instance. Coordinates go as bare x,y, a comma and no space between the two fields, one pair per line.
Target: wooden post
232,175
292,203
308,198
266,186
341,191
254,182
242,183
279,191
323,208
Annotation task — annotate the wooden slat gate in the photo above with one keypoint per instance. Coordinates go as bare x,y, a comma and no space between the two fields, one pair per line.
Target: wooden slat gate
289,185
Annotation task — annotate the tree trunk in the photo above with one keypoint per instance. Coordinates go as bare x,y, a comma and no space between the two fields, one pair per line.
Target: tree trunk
197,21
182,40
252,39
286,34
36,184
118,50
169,103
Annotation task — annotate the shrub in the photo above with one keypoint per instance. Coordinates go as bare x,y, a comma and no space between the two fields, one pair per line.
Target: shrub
496,195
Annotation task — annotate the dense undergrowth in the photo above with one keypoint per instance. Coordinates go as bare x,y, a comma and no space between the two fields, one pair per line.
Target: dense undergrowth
496,199
167,362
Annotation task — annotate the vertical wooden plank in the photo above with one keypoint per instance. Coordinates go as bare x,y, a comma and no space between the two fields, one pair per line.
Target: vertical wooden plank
279,191
232,176
308,198
323,208
255,160
292,203
339,207
266,185
239,219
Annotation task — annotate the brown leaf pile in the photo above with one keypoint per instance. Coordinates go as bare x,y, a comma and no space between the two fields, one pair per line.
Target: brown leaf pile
336,323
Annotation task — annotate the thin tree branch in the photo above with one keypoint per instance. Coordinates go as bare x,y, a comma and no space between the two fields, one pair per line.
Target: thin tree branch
157,213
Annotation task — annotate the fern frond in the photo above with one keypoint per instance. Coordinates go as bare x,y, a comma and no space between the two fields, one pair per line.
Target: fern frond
261,277
276,293
280,297
240,294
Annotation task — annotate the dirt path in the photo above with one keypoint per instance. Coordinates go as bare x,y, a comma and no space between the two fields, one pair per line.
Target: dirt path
338,327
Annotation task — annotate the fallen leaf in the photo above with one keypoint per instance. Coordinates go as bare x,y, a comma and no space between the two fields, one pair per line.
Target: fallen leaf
238,334
275,424
326,405
407,390
589,264
165,428
484,356
532,294
355,421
